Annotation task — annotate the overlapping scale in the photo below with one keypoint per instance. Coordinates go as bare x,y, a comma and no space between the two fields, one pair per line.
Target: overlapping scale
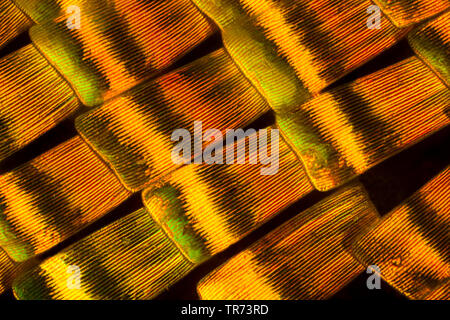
342,133
33,99
130,258
291,50
306,258
133,133
119,45
410,246
205,208
407,12
431,42
54,196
